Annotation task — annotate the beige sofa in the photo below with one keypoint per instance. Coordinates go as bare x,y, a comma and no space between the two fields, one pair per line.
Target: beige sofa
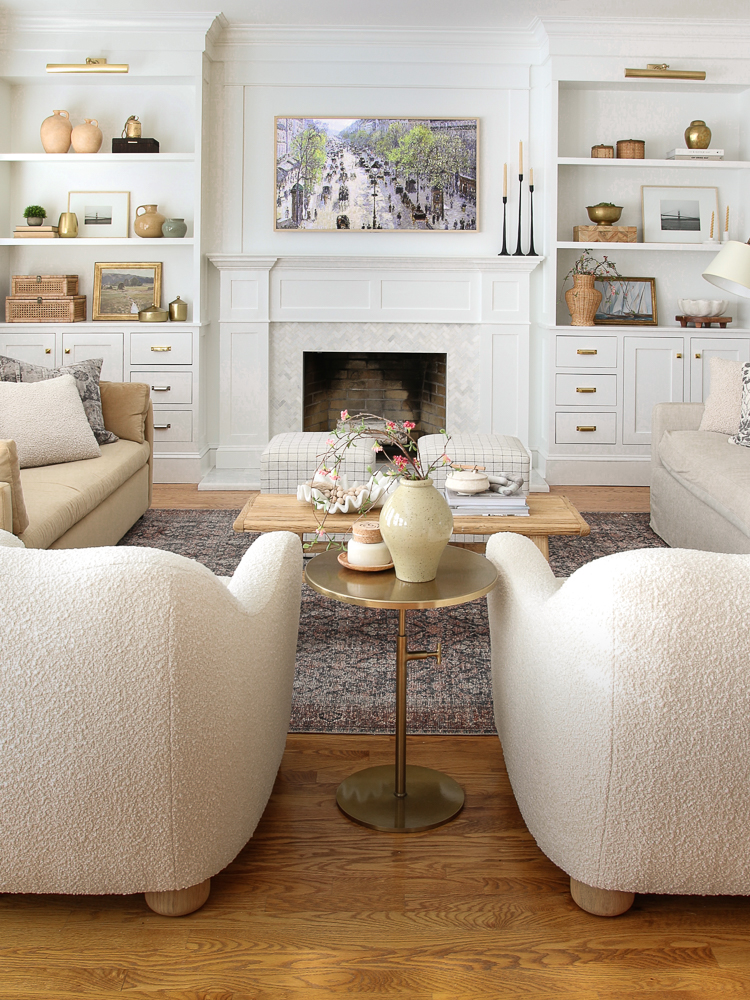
700,484
93,502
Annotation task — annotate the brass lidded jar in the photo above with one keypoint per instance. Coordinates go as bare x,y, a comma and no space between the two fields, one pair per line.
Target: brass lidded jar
697,135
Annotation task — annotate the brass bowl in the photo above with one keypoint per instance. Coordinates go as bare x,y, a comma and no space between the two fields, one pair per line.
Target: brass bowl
604,215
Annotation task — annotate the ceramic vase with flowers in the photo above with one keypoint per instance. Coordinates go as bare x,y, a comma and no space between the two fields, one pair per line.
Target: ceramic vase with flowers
583,298
415,521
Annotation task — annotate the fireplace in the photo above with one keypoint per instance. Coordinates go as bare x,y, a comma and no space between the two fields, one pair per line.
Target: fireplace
397,386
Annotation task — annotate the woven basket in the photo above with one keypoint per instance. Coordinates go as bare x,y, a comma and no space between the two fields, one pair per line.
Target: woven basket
68,310
631,149
50,286
607,152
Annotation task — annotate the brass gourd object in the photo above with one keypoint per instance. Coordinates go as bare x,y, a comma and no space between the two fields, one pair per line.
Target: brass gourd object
132,129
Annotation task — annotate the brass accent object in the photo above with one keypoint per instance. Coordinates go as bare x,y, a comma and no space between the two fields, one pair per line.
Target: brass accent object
697,135
153,314
93,64
661,71
178,310
582,350
679,355
48,350
403,798
585,390
604,215
697,355
132,129
581,428
67,350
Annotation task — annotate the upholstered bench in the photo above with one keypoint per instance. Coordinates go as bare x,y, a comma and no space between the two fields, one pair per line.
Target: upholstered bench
292,458
498,453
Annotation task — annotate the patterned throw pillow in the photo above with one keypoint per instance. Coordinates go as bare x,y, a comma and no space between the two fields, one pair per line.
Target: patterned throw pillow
86,375
743,434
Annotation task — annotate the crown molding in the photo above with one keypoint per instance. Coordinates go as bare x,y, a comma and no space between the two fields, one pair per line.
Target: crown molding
83,22
650,28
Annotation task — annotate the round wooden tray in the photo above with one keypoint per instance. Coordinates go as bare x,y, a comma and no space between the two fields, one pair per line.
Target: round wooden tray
362,569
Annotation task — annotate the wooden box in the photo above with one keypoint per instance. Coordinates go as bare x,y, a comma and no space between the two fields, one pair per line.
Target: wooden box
604,234
71,309
49,286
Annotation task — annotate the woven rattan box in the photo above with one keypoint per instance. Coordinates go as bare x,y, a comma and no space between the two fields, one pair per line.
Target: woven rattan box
70,309
49,286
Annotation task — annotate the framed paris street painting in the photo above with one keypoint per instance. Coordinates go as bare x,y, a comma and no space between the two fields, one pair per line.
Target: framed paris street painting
376,174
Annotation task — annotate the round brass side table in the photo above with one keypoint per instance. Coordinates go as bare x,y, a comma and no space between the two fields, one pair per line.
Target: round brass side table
404,799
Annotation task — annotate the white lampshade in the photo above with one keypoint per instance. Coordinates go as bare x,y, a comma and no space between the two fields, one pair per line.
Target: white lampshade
730,269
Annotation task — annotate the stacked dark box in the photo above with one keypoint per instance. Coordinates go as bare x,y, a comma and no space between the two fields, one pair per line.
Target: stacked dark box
140,145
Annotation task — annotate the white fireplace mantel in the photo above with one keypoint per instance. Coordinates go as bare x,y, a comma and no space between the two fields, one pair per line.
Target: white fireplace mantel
273,309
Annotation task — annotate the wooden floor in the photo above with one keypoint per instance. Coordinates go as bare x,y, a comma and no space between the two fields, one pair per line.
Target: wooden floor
318,907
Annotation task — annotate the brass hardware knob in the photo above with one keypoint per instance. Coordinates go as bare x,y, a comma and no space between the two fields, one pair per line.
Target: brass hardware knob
581,428
679,355
168,348
697,355
581,351
585,390
162,427
67,350
48,350
160,388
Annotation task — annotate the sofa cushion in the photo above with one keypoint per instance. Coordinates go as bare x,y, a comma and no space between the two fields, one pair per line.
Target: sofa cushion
47,422
714,471
722,409
743,431
86,373
125,407
58,496
10,472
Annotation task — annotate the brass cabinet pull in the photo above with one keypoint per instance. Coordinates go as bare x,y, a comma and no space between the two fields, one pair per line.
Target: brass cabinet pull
48,350
67,350
585,390
580,428
162,427
160,388
697,355
679,355
582,351
161,348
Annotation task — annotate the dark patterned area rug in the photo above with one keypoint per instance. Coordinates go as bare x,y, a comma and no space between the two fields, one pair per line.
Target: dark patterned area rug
345,677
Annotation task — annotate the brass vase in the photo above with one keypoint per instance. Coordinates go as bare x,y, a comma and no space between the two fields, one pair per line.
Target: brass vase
67,226
583,300
697,135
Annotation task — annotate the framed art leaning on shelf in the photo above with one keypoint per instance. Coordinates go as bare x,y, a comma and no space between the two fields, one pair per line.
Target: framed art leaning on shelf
676,214
101,213
122,290
627,301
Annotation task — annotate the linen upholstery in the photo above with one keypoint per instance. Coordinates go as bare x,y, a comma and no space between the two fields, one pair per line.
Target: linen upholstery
10,473
144,712
722,408
621,702
6,508
125,406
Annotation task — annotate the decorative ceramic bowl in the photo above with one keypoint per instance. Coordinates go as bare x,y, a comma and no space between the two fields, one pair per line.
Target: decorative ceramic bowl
604,215
702,307
373,492
468,482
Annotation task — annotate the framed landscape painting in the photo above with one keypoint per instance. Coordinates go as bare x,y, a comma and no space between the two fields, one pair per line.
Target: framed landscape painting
376,174
627,301
121,290
675,214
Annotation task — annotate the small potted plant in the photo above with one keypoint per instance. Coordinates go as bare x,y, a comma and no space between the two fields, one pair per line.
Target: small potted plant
583,299
34,215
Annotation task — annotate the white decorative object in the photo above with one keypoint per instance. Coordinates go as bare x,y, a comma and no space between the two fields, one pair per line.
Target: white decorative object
367,548
468,482
352,498
703,307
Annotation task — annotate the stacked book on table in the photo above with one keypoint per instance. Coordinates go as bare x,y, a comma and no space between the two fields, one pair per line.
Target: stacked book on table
35,233
486,504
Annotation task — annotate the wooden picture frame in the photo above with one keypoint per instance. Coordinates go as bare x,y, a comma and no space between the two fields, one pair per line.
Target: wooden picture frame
120,290
627,301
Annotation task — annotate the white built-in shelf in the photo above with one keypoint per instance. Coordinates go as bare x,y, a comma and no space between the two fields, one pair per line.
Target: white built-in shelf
669,247
610,162
98,157
638,328
101,242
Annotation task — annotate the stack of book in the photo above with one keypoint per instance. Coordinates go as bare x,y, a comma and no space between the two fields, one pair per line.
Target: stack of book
695,154
35,232
486,504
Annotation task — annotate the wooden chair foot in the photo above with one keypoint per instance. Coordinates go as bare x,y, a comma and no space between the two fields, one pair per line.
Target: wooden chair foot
601,902
178,902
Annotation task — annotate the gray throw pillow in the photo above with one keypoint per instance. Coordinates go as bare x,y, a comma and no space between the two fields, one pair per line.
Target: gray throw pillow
86,375
743,434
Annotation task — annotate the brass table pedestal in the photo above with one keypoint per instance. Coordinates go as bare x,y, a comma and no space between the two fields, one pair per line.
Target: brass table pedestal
404,798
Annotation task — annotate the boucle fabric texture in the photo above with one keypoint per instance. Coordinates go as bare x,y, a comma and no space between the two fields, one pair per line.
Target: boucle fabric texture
47,422
10,541
621,699
144,712
722,408
86,373
743,433
10,472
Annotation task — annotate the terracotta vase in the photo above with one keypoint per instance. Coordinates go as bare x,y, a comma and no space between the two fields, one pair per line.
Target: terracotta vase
55,132
87,138
416,523
148,226
583,300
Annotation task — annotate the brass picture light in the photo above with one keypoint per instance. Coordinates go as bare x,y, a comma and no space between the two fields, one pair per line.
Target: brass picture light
661,71
93,64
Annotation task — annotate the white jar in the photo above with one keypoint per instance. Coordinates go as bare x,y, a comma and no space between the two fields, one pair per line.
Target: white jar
367,547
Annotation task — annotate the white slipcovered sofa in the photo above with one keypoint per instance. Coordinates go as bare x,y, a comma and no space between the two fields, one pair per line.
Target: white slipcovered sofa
144,711
621,699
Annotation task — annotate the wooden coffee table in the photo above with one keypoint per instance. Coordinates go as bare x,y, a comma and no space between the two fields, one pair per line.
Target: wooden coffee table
551,514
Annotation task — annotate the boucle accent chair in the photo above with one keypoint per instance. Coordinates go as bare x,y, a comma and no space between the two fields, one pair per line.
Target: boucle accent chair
621,699
144,713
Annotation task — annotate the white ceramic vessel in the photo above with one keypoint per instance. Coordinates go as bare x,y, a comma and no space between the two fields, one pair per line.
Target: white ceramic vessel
416,524
702,307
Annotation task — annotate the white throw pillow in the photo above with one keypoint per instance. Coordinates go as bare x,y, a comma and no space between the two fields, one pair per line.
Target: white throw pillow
722,410
47,421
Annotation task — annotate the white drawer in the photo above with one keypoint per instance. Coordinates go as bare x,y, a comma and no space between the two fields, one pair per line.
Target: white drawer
586,352
163,347
173,425
167,387
586,389
585,428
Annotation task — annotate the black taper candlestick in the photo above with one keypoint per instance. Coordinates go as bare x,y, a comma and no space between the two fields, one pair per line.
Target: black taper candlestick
532,251
504,251
519,252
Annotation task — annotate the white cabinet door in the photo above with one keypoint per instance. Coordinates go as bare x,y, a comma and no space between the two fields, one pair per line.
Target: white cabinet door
82,346
653,372
702,349
36,348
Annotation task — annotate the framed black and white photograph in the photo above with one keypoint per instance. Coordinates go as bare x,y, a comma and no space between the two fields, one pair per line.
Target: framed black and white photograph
629,301
376,174
101,213
675,214
122,290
